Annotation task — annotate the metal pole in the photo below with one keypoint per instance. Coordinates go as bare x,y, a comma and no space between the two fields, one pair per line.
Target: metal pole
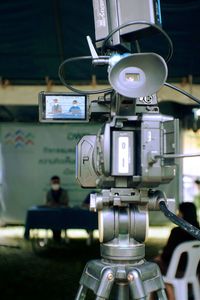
121,291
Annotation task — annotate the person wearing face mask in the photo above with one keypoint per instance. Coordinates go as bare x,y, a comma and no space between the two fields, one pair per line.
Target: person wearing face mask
56,197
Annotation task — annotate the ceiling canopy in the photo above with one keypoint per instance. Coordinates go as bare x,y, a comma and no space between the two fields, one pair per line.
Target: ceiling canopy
36,36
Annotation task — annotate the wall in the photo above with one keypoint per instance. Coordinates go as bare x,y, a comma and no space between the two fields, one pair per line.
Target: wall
30,155
28,95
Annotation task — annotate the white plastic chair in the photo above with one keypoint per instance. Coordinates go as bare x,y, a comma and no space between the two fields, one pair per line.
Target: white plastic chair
180,285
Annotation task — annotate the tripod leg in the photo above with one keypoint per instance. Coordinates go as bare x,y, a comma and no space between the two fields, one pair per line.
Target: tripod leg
141,287
162,295
81,294
137,289
106,282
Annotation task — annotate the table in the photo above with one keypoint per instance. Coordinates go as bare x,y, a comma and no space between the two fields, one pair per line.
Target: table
41,217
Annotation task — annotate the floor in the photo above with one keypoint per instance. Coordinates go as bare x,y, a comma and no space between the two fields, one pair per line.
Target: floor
52,272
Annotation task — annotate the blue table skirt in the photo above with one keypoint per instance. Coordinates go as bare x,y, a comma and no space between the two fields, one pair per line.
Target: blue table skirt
41,217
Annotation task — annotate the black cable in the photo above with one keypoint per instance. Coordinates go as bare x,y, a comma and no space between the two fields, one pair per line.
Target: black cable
192,230
61,71
62,79
61,76
158,28
182,92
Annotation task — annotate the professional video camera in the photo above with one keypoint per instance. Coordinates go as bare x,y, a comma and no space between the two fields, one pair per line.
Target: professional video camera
133,153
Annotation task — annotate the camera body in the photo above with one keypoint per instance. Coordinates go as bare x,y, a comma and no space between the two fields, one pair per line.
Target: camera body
135,149
129,151
132,149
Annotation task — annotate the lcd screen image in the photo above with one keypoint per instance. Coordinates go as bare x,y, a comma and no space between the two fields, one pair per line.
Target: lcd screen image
65,107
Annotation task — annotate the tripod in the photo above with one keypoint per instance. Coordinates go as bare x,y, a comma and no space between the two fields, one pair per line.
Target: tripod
122,268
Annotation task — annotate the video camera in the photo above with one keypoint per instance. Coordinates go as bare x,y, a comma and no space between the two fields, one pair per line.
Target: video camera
131,150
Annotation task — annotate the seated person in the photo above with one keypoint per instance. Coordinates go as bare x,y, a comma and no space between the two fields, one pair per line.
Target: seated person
187,211
56,108
86,201
56,197
75,109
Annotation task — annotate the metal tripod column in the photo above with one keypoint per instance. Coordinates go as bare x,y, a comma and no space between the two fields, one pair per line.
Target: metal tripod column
122,269
121,290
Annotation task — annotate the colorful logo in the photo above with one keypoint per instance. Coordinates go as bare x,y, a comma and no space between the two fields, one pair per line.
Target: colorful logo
19,139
